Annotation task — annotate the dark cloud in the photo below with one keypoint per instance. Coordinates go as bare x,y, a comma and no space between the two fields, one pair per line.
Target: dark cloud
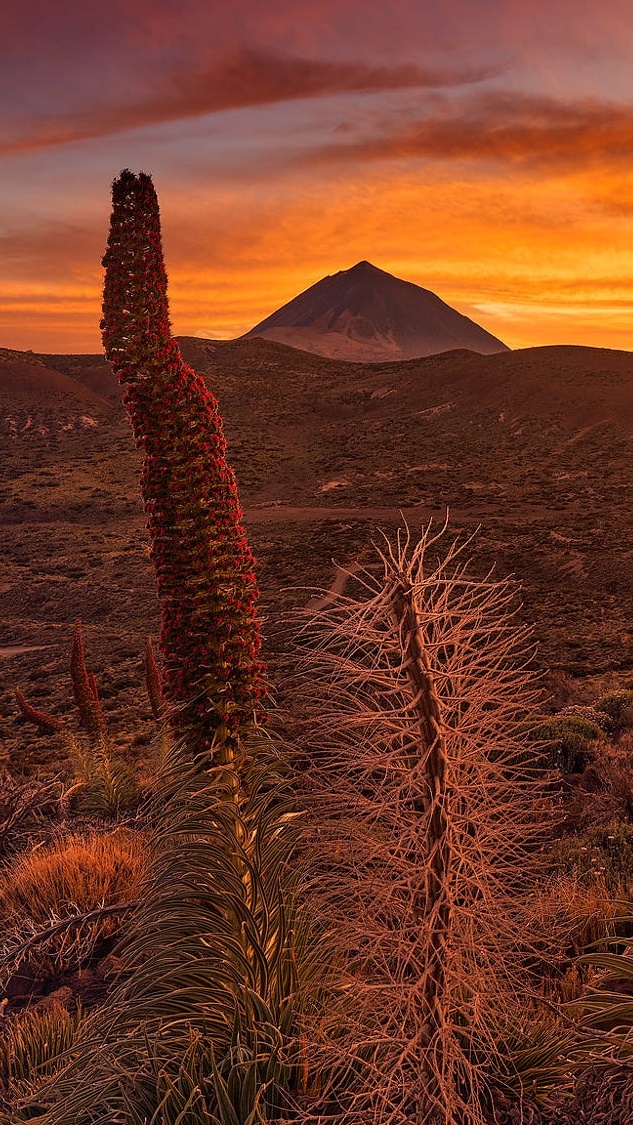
246,78
513,128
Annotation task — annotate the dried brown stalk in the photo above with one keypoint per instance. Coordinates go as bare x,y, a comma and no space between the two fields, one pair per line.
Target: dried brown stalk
428,824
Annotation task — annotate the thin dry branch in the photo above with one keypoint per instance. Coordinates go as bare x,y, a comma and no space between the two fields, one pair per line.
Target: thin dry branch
20,802
75,921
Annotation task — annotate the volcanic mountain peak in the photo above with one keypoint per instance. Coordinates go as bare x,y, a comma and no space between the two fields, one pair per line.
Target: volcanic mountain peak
361,267
368,315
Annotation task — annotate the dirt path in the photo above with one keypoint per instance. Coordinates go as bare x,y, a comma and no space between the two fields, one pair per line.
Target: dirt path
17,650
283,514
528,513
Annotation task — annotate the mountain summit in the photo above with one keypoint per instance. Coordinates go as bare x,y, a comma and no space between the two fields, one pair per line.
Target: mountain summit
367,314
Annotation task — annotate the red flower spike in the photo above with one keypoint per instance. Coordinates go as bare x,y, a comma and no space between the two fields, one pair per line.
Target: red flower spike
203,564
85,689
48,723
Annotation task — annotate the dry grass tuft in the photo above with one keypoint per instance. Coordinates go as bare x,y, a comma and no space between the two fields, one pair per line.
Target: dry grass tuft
605,789
574,913
70,878
82,872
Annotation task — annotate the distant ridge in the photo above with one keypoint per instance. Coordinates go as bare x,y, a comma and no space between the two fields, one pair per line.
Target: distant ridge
25,380
367,315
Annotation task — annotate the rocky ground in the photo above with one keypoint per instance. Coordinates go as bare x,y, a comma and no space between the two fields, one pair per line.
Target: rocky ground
530,450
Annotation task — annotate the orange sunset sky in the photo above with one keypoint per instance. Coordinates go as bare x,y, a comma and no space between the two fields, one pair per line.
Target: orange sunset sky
480,148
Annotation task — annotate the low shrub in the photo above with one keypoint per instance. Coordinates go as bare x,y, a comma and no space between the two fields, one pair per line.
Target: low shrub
605,850
566,740
590,713
605,790
618,705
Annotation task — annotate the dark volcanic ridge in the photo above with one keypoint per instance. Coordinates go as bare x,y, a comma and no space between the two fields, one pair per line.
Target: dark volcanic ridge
367,315
561,387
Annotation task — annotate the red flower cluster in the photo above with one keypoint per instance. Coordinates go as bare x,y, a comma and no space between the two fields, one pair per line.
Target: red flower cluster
210,636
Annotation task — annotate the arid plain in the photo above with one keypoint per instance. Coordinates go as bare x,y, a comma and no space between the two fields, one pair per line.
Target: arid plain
531,450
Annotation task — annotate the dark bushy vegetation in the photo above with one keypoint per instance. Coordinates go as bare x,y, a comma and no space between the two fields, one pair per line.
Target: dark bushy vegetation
618,705
567,741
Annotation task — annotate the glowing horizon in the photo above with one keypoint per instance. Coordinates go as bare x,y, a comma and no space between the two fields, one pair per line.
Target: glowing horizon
460,150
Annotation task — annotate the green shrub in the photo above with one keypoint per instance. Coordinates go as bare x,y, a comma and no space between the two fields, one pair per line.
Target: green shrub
618,705
590,713
566,740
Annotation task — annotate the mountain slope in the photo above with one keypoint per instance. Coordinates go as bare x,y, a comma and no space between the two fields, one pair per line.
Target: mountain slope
37,398
26,379
366,315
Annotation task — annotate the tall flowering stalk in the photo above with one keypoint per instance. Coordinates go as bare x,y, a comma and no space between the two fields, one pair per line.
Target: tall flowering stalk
85,690
210,637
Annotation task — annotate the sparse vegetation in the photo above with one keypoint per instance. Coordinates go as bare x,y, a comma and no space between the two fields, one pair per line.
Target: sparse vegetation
366,920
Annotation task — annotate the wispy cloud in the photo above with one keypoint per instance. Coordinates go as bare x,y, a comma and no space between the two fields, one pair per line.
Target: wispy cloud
501,126
245,78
